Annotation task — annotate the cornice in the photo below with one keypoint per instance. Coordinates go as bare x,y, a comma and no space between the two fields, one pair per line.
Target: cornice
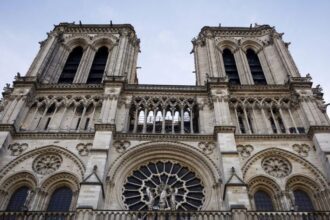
7,127
259,88
224,129
258,30
105,127
318,129
163,137
93,28
80,86
54,135
300,82
271,136
164,88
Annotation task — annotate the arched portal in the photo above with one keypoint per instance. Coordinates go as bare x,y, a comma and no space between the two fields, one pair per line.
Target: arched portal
163,175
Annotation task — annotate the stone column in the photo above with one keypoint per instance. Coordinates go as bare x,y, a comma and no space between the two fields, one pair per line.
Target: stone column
85,65
91,193
46,49
235,190
321,140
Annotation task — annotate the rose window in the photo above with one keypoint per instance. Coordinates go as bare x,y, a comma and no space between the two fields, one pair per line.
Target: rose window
163,185
46,164
276,166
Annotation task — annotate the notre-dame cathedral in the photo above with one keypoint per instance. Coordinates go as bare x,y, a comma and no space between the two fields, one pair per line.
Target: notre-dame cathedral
80,138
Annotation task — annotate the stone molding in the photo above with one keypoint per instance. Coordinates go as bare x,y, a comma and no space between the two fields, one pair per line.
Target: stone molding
224,129
40,151
263,182
257,30
313,129
13,181
93,28
271,136
163,137
188,155
105,127
54,135
155,146
80,86
287,155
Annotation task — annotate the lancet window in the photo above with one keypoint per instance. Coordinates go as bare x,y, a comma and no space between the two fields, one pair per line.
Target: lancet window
71,66
98,66
163,115
263,201
17,200
255,68
303,201
60,200
230,67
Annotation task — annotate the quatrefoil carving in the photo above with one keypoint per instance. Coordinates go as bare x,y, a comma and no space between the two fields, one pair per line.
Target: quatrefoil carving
83,149
121,145
207,147
17,148
245,150
301,149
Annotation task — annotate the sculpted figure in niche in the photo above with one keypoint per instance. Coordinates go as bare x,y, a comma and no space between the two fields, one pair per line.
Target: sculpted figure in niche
151,198
28,199
174,192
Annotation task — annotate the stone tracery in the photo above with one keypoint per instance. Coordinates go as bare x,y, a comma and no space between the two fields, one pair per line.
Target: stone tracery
163,114
71,113
279,114
276,166
163,185
47,164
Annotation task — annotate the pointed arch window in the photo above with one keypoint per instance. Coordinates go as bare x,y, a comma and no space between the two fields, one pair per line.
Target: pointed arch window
230,67
60,200
255,68
98,66
303,201
71,66
262,201
17,200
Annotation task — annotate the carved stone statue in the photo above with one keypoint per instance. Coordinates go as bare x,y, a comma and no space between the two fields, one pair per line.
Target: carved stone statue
292,200
174,192
28,200
18,76
162,198
151,198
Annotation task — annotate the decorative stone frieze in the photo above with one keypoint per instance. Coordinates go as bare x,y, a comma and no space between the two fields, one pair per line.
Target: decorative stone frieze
244,150
301,149
276,166
47,163
17,148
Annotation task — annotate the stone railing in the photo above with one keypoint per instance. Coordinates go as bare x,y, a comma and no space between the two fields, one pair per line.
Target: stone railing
234,214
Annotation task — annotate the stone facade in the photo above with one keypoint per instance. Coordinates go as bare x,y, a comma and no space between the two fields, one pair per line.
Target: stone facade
121,145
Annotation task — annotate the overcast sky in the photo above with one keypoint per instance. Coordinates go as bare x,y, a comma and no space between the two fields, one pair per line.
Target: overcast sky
166,29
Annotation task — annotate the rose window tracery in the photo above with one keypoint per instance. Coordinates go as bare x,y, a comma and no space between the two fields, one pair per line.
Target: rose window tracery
46,164
163,185
276,166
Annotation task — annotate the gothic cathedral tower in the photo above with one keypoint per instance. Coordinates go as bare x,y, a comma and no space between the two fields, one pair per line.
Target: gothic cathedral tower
81,138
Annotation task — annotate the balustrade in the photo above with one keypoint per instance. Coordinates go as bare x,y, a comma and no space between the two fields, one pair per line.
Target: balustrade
234,214
163,115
